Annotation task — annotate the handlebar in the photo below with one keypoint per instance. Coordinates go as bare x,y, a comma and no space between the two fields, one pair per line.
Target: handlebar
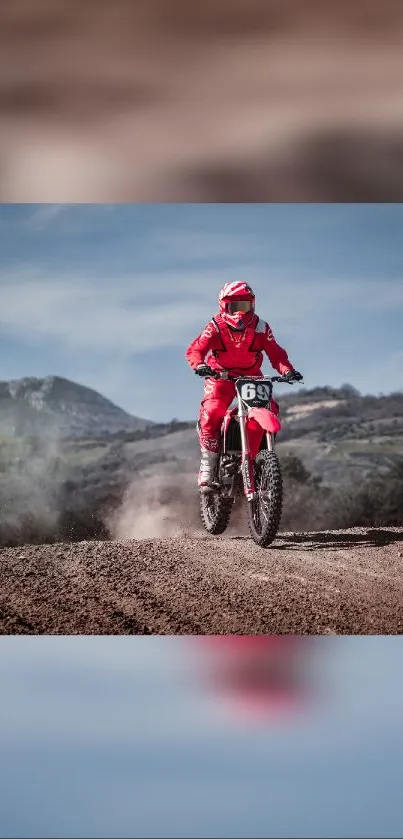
216,374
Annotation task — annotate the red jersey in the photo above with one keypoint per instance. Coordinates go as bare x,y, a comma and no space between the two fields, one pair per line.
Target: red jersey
223,348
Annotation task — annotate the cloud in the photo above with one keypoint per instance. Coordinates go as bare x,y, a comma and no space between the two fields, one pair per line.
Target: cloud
78,315
147,310
121,317
44,214
99,291
47,220
187,244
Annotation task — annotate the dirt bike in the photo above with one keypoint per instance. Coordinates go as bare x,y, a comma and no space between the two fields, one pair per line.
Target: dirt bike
248,464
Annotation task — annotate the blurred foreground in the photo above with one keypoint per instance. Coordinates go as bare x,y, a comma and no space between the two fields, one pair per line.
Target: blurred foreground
166,100
123,737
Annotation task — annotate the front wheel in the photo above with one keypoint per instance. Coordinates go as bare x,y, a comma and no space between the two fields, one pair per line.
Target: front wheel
215,511
264,511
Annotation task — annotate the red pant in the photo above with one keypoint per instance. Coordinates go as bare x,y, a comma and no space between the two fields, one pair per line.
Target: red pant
218,395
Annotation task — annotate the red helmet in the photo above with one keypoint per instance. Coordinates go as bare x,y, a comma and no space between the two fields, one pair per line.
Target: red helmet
237,304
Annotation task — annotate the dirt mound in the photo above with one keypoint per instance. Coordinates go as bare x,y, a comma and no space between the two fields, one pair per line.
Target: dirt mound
329,582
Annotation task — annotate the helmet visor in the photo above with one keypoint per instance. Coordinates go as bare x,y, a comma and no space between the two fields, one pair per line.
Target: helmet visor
239,306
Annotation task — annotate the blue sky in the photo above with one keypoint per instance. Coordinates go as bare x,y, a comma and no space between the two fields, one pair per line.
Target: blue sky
111,295
113,737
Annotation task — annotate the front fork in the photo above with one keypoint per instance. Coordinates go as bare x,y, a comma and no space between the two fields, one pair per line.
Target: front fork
270,438
247,462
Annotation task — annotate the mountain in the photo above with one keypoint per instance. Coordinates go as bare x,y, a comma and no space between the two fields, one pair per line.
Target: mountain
338,435
54,406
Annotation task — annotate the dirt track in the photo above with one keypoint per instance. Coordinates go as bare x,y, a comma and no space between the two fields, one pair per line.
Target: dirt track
319,583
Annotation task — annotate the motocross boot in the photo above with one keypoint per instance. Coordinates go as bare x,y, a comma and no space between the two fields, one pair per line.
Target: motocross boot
207,479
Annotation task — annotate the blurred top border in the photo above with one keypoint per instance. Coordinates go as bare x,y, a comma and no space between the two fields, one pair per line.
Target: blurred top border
166,100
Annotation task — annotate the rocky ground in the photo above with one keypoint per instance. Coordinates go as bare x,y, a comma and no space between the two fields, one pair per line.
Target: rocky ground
329,582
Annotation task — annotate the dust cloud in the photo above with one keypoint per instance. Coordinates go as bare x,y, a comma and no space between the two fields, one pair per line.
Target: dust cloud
31,494
156,506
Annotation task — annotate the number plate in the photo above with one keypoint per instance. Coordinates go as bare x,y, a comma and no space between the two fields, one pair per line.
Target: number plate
254,393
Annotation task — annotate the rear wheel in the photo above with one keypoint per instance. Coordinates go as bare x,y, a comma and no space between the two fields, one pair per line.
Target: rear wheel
215,511
264,511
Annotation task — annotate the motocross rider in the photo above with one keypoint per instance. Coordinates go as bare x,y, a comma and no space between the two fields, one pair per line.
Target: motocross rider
233,341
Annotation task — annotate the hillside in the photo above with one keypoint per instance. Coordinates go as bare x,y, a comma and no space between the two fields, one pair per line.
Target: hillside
338,432
51,487
54,406
335,432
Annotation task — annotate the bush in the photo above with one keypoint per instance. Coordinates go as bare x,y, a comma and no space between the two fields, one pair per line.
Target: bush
293,469
376,502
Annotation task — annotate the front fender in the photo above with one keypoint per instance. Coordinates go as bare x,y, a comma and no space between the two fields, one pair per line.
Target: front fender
266,419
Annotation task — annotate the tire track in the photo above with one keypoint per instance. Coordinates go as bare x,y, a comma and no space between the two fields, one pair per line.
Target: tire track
338,582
